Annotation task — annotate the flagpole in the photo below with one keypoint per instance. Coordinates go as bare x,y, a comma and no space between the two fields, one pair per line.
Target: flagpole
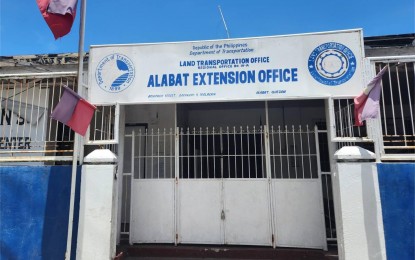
76,137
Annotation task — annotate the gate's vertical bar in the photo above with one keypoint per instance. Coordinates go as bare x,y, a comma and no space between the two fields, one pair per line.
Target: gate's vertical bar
268,174
280,154
270,188
152,153
201,152
132,183
221,152
234,146
188,152
309,132
228,154
272,140
222,190
409,96
194,153
302,152
287,152
164,154
214,152
13,106
158,153
221,178
176,178
171,135
180,136
393,105
242,153
400,103
255,154
207,151
383,104
294,153
38,112
248,154
176,190
32,109
320,185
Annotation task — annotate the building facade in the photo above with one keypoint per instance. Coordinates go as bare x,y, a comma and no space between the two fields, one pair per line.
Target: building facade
225,142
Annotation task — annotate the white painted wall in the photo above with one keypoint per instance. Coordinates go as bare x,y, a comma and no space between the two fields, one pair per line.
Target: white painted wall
356,193
97,220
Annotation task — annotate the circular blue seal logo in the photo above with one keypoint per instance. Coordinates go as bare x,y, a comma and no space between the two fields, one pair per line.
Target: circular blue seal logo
332,63
115,73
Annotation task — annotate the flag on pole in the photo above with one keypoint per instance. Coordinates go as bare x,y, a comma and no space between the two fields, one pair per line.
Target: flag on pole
58,14
74,111
366,105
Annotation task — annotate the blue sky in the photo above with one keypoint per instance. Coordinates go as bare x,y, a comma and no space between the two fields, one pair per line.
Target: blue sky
23,30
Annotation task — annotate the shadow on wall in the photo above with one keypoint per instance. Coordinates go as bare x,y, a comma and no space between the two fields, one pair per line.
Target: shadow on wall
34,211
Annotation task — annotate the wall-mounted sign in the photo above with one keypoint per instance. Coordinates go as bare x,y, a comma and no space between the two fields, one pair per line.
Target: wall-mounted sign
281,67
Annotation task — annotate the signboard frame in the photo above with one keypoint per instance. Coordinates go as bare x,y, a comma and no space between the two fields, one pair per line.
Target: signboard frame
299,66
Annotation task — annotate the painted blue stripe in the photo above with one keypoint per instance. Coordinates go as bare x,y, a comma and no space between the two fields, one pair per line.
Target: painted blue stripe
34,211
396,184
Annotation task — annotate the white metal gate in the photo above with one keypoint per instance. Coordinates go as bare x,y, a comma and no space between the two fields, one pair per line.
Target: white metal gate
296,187
244,186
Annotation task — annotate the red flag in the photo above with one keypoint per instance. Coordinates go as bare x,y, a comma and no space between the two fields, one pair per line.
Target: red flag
58,14
74,111
81,117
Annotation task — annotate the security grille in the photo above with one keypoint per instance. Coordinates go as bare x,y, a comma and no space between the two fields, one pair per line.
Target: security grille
396,112
292,151
26,128
231,152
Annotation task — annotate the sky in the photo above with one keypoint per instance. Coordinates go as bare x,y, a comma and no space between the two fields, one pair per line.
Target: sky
23,30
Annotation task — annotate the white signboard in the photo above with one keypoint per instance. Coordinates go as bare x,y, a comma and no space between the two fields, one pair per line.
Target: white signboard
281,67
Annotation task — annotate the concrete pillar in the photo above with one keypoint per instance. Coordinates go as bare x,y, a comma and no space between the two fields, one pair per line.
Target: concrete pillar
97,225
356,194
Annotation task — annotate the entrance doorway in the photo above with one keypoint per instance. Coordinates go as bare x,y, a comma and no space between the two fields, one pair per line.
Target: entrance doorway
251,184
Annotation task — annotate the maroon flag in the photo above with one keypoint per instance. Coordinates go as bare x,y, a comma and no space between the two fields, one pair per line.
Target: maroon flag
74,111
58,14
366,105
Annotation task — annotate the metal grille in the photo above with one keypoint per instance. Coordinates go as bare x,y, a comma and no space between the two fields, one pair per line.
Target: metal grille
293,154
26,128
344,120
328,206
396,112
153,154
104,125
397,107
222,153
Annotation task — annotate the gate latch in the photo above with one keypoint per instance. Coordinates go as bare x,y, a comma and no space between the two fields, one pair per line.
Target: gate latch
222,215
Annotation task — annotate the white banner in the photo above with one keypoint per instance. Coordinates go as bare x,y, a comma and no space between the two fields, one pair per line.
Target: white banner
281,67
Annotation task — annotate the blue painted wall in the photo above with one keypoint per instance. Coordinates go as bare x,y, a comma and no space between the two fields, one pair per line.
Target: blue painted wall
34,211
396,184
